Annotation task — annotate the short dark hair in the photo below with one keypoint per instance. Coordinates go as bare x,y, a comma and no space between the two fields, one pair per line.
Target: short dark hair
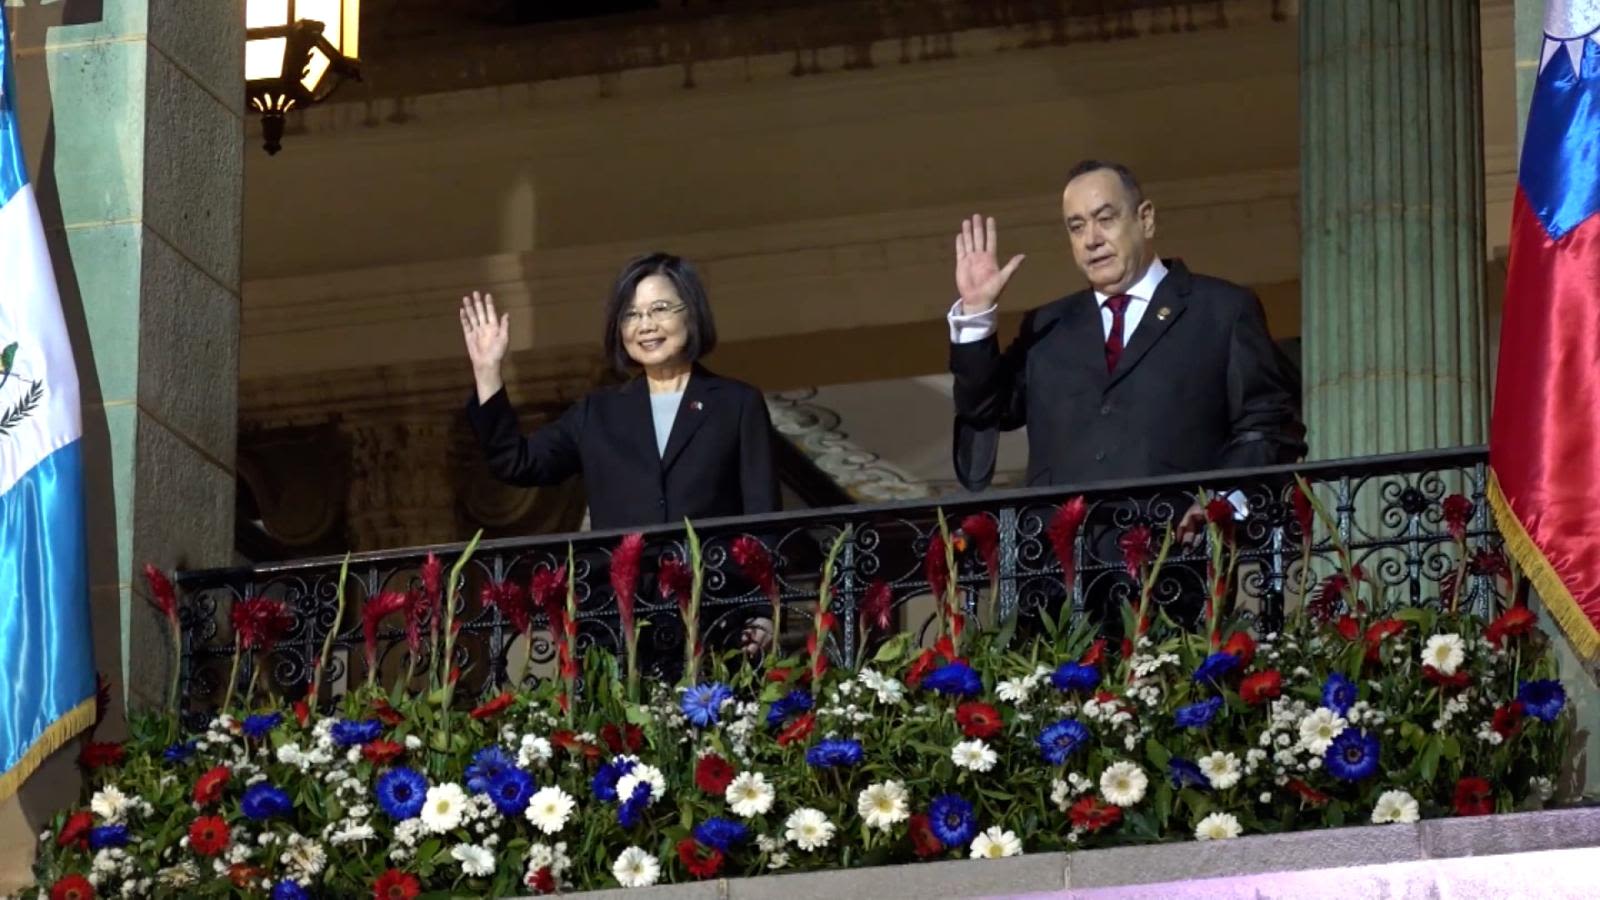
1123,172
702,338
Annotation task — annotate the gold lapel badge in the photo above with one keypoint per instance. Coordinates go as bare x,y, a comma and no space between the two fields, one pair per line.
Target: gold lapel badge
1163,313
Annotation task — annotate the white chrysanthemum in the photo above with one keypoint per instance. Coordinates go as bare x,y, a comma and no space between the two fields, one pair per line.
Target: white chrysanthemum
635,868
182,875
475,860
549,808
779,860
974,755
766,843
444,807
1123,784
1395,806
996,843
749,794
1061,794
534,751
887,690
884,805
304,858
1219,826
1221,769
643,774
1444,652
352,834
110,804
808,829
1319,729
1014,690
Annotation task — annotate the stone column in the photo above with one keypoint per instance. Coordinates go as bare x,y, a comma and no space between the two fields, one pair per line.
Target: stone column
1392,255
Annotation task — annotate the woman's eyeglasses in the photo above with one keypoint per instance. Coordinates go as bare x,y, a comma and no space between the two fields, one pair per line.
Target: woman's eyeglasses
655,312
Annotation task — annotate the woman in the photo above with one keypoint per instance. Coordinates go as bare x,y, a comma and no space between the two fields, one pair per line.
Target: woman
673,442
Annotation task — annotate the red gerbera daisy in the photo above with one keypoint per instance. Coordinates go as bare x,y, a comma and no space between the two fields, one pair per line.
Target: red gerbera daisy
978,720
923,840
76,831
1514,622
701,862
1242,646
1449,682
381,753
1259,687
208,835
396,885
1092,815
542,881
1508,719
1474,797
72,887
208,788
713,774
98,754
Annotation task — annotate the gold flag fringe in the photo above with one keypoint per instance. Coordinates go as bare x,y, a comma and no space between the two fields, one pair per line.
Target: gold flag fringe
1580,631
60,731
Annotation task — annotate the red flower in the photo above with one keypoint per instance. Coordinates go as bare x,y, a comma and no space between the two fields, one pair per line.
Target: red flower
923,840
1063,534
675,581
1135,544
381,753
569,742
935,568
72,887
432,574
1095,655
920,668
713,774
374,612
302,712
1488,563
756,563
978,720
549,590
985,534
628,739
877,606
542,881
1259,687
396,885
1242,646
1092,815
244,877
1514,622
798,730
260,622
1378,632
1349,628
1328,598
512,601
208,787
208,836
946,649
1457,513
1307,793
1303,512
162,596
1508,719
701,862
492,708
625,576
75,833
1447,682
99,754
1474,797
386,713
417,611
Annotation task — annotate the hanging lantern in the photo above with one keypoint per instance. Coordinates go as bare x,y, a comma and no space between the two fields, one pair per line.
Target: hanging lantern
296,53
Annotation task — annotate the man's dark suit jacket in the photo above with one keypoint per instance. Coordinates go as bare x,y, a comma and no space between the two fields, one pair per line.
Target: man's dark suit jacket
1199,386
718,460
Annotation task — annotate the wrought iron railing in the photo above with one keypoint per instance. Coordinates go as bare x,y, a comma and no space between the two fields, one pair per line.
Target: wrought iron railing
1389,513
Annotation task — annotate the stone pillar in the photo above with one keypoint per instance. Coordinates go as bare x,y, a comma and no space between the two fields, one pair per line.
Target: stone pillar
1392,255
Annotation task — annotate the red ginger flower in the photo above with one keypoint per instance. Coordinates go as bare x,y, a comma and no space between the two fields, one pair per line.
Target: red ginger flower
549,590
491,708
381,753
1474,796
432,575
1259,687
935,568
208,787
372,613
260,622
756,563
625,576
979,720
1514,622
75,832
1092,815
1457,513
984,532
1063,533
713,774
877,606
675,581
72,887
923,840
699,861
208,835
162,595
1135,544
1304,512
396,885
512,601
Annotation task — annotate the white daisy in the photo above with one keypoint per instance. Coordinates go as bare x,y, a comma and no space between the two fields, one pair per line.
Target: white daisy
808,828
1221,769
883,805
887,690
534,751
475,860
549,808
1319,729
1219,826
443,808
1445,652
1395,806
1123,784
304,858
110,804
974,755
1014,690
1061,794
996,843
635,868
643,774
749,794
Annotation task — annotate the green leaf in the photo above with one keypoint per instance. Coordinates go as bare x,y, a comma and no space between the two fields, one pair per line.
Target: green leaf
1157,752
7,356
893,649
1430,758
1452,748
1336,813
1163,802
636,715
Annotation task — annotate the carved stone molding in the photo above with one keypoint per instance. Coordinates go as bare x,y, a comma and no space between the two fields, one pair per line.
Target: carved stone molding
816,431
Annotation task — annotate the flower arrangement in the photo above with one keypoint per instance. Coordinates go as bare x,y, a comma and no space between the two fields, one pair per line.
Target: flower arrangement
981,746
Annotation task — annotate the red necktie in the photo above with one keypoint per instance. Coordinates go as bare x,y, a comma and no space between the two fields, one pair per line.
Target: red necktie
1118,305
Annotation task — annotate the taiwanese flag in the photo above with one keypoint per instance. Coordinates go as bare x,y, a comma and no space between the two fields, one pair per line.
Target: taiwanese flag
1544,439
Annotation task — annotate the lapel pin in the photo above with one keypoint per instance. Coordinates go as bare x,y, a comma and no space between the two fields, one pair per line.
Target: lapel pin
1163,313
696,405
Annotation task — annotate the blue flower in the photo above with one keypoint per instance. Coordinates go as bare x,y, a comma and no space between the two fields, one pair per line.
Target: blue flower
511,790
108,836
720,833
1353,755
791,704
289,890
179,753
703,703
401,793
1059,740
1197,715
830,753
350,734
1185,773
1216,667
955,679
628,811
951,820
488,765
257,727
263,801
604,784
1338,694
1542,699
1075,677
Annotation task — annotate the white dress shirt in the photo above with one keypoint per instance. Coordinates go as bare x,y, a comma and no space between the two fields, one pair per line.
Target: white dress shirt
968,328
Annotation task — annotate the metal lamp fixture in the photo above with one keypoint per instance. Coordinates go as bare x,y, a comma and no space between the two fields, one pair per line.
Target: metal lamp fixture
296,53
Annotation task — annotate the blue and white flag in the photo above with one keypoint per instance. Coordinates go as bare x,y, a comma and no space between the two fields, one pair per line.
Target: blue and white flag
47,678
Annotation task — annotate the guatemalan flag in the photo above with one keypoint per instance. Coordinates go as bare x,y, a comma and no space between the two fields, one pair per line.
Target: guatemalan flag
1544,440
47,680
